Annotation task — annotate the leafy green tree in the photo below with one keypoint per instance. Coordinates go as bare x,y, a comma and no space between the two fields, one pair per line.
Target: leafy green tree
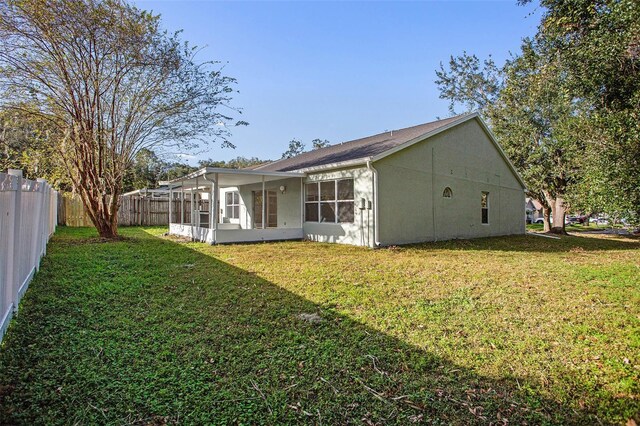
235,163
468,82
296,147
25,144
598,43
319,143
535,119
112,82
147,170
177,170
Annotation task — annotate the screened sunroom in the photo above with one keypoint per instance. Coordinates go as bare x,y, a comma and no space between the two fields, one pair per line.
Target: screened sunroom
217,205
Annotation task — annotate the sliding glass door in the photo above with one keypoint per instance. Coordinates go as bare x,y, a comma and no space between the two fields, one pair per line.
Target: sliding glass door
271,218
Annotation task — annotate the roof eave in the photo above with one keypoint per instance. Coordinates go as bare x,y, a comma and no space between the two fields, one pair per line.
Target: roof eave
211,170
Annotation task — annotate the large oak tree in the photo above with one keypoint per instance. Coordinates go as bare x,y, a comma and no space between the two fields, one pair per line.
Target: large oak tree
598,45
112,83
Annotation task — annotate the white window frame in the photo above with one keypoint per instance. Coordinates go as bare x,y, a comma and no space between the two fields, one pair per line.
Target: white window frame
335,201
487,208
232,205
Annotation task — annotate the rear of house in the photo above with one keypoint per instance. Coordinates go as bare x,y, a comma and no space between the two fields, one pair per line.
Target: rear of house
441,180
455,184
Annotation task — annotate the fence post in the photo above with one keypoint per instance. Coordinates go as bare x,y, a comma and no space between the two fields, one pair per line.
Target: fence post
6,298
45,217
13,265
36,243
54,221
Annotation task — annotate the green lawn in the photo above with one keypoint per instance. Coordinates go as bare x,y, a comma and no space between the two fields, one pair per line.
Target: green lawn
576,227
154,330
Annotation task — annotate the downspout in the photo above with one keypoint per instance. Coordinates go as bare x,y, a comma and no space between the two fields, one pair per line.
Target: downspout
302,199
376,234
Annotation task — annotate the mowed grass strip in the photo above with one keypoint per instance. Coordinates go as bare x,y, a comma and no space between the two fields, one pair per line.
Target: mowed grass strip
155,330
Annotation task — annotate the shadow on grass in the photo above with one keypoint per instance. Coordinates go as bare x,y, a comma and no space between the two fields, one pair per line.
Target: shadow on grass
150,331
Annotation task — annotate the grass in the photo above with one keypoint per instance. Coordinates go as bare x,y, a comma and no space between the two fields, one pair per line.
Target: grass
154,330
577,227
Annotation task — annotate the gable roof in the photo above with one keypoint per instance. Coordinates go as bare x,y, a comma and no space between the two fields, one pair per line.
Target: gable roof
376,147
534,203
359,149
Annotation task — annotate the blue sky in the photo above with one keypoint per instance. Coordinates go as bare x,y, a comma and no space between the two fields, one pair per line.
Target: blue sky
338,70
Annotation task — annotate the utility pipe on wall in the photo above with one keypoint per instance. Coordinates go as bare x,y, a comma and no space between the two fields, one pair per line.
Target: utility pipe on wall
302,204
376,235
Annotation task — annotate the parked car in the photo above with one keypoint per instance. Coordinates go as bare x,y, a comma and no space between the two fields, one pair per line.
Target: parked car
602,221
541,220
570,220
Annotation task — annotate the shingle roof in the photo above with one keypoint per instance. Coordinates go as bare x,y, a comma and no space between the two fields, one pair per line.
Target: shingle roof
359,149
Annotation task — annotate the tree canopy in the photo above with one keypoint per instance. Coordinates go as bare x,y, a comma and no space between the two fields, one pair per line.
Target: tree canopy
566,107
111,82
297,147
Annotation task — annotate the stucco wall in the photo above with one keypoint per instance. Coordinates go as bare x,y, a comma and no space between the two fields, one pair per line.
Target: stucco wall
411,183
360,232
289,213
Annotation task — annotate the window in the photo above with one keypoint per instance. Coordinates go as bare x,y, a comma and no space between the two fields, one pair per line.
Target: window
329,201
485,207
447,193
232,203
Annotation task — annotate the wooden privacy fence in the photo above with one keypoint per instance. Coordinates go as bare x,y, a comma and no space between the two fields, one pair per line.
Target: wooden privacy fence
71,211
134,210
27,219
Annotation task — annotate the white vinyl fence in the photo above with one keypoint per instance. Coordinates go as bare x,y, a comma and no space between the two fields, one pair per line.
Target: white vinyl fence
28,211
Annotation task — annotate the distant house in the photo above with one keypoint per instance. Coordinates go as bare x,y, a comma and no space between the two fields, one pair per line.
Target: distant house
161,191
533,210
441,180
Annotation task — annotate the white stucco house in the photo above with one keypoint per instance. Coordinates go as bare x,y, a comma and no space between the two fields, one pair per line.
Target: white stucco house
441,180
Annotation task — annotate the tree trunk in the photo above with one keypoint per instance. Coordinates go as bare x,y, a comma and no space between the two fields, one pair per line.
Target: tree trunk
546,217
541,198
559,213
101,208
98,189
99,211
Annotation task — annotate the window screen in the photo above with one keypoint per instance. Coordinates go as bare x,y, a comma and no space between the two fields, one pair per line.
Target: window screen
330,201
